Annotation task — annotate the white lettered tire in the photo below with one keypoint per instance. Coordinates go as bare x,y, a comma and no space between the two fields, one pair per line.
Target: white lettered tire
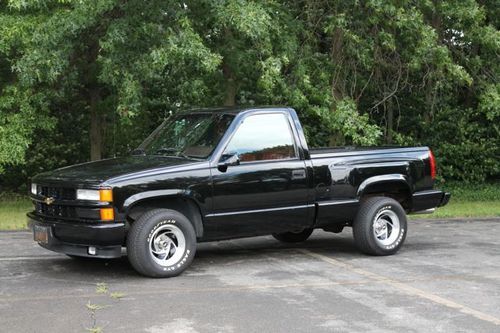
161,243
380,226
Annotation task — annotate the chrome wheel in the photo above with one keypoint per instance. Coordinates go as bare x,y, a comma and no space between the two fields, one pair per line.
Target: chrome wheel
386,227
167,245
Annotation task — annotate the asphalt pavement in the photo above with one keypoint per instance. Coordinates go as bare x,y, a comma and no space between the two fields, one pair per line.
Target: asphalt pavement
446,278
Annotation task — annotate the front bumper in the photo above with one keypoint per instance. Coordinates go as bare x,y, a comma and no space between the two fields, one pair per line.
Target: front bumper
75,238
427,200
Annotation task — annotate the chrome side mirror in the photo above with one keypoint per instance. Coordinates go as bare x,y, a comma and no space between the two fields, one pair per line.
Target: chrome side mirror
228,160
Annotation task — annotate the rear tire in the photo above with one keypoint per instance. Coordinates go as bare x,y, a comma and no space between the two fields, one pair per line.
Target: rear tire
380,226
161,243
294,237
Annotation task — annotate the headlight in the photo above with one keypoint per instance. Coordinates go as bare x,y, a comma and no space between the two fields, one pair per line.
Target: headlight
33,189
95,195
88,195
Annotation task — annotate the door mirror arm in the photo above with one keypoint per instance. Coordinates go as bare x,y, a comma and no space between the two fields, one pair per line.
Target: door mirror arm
228,160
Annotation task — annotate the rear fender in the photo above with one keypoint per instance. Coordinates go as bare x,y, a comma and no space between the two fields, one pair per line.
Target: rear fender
386,184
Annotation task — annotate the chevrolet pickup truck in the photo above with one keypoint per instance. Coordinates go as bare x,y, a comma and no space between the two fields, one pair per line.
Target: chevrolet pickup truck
214,174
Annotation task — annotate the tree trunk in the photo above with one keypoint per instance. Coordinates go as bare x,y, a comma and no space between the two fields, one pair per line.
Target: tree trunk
390,122
230,99
429,101
95,126
338,82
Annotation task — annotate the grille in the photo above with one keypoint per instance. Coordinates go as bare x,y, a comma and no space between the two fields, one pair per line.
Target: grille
55,210
58,193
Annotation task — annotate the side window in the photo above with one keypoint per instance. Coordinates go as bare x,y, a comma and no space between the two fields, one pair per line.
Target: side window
263,137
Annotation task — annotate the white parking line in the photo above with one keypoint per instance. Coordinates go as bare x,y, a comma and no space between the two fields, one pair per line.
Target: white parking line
406,288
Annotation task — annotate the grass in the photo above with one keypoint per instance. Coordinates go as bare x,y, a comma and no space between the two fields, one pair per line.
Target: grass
469,200
13,212
481,200
465,209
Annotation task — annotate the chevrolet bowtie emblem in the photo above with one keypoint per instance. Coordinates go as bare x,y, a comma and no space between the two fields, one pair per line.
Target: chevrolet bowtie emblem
49,200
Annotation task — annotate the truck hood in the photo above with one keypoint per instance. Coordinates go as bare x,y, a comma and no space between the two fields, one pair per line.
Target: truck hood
100,171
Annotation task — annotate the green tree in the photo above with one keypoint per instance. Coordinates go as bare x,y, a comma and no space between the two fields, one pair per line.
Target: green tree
89,79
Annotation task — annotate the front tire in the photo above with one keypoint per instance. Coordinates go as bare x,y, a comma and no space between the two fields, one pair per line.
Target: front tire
380,226
161,243
294,237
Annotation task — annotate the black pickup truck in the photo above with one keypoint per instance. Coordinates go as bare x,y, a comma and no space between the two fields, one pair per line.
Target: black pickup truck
214,174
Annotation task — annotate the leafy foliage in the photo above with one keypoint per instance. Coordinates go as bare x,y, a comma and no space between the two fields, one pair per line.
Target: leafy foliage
82,79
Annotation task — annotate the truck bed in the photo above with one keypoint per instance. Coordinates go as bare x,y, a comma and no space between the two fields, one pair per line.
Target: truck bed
343,174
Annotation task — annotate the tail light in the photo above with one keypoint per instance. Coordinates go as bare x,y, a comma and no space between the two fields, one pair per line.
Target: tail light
432,162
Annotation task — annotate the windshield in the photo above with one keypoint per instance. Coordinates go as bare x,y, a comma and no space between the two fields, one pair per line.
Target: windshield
188,135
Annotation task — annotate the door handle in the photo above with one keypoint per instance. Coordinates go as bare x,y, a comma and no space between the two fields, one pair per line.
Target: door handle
299,174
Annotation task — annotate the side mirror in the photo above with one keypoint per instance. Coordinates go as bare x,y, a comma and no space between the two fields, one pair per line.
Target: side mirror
228,160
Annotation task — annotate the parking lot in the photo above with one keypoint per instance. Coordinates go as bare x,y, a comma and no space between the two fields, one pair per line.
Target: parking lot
445,279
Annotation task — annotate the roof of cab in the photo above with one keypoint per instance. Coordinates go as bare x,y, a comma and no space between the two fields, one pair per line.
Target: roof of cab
234,109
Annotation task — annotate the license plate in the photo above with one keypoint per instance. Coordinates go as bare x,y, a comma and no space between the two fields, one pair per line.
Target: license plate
41,234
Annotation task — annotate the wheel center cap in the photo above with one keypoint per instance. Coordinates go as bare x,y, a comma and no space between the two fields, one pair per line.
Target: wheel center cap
163,243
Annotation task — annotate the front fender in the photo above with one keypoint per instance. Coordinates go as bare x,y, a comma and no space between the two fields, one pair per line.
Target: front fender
169,199
134,199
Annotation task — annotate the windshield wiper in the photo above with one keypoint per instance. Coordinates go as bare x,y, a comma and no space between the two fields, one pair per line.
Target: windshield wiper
175,151
138,152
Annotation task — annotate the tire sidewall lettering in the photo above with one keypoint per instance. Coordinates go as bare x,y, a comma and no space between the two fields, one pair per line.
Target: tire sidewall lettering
397,241
177,265
385,207
158,225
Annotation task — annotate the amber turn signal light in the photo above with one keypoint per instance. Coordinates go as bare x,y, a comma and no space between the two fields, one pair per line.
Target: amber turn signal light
107,214
106,195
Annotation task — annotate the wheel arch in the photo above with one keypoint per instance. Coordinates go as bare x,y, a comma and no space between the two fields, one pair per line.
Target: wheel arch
395,186
138,204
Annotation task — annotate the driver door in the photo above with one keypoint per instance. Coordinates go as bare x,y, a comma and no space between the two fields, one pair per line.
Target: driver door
268,191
